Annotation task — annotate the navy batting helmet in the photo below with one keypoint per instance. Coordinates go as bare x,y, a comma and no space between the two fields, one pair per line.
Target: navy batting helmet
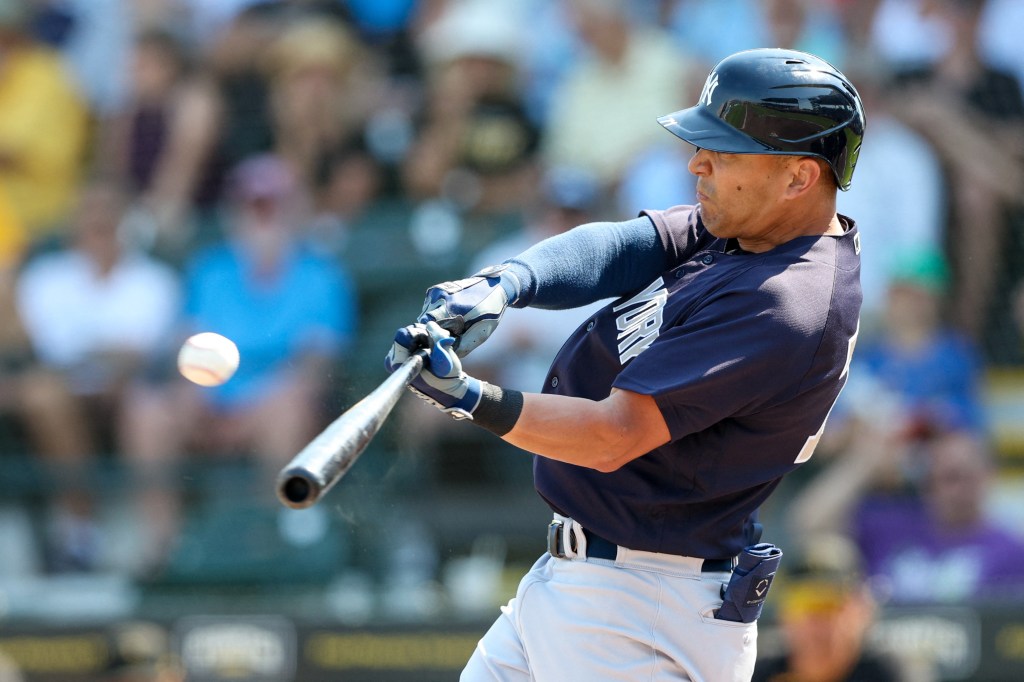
773,101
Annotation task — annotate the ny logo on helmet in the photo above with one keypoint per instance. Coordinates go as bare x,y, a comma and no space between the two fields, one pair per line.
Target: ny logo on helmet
709,89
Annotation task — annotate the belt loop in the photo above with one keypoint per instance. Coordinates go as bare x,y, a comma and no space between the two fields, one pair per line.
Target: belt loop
577,541
566,539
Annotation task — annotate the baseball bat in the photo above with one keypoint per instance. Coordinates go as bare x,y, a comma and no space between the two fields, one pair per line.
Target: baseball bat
330,455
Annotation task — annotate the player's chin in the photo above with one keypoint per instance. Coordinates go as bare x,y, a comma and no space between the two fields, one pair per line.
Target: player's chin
711,221
706,209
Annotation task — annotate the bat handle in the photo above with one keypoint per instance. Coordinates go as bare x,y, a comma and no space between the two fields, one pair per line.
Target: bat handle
329,456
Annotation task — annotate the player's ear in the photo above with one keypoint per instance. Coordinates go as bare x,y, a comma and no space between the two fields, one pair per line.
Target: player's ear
805,172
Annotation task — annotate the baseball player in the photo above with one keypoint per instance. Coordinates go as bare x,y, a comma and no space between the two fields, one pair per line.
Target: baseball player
671,414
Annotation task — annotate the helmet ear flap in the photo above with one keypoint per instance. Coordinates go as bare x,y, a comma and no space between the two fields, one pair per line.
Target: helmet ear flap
774,101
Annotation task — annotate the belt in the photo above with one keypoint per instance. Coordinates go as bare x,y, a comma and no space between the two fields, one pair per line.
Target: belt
599,548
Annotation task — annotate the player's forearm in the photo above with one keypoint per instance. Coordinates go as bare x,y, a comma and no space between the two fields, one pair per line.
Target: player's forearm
588,263
602,435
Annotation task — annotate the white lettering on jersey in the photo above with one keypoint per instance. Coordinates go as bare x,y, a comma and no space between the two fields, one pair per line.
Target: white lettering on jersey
812,442
640,324
709,89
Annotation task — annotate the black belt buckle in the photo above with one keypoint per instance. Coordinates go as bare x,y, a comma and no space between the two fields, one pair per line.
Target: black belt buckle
555,539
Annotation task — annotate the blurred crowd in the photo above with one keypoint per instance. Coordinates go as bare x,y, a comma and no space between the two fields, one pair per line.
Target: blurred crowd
293,173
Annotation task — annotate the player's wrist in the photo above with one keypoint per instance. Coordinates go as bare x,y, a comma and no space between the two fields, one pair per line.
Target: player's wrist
499,408
508,281
516,281
510,284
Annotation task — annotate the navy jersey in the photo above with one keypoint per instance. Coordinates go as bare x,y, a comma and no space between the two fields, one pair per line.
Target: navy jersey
744,354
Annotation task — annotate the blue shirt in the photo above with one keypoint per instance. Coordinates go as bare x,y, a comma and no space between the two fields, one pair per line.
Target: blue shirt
308,307
937,384
744,354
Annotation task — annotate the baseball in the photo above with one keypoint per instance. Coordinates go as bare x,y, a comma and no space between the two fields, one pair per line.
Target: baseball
208,359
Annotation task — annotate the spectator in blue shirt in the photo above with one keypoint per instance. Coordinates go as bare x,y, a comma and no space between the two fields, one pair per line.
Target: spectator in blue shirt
929,371
291,314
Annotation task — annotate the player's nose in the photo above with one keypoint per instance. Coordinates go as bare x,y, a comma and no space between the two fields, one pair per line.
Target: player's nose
698,164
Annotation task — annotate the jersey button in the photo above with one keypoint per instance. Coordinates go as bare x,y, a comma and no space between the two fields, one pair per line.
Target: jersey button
708,259
554,382
590,325
679,274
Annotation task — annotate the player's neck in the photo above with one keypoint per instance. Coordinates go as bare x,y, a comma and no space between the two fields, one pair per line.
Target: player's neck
787,232
835,228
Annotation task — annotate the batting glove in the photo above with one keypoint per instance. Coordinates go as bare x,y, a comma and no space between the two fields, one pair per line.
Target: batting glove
471,308
442,383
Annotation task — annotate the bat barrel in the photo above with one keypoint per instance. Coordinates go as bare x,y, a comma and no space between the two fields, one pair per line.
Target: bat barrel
298,489
330,455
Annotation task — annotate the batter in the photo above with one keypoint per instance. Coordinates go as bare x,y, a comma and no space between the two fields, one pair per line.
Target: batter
671,415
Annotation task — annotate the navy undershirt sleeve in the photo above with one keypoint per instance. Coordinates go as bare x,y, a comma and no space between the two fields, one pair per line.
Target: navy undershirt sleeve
589,263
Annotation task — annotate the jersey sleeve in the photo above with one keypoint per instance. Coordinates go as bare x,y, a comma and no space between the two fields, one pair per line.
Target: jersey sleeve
740,352
678,230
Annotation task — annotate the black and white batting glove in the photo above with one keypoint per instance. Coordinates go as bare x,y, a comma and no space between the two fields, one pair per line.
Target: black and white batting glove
471,308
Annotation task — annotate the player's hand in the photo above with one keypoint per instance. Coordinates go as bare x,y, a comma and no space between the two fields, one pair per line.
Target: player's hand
470,308
407,341
442,383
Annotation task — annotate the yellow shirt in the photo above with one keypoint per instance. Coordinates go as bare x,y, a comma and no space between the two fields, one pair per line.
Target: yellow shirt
43,132
603,115
12,236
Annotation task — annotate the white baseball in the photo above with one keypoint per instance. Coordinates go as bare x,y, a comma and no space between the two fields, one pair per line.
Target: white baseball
208,359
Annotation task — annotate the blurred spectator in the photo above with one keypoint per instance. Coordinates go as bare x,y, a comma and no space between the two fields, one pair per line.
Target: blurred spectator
925,373
804,25
906,33
913,33
290,313
999,37
825,609
322,88
546,52
169,15
473,160
382,17
475,145
235,59
95,313
348,185
387,27
857,22
43,126
291,78
714,29
161,143
972,113
701,27
917,510
631,73
92,36
895,155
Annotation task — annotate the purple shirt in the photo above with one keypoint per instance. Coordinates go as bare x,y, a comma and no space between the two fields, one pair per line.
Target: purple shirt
745,355
922,562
